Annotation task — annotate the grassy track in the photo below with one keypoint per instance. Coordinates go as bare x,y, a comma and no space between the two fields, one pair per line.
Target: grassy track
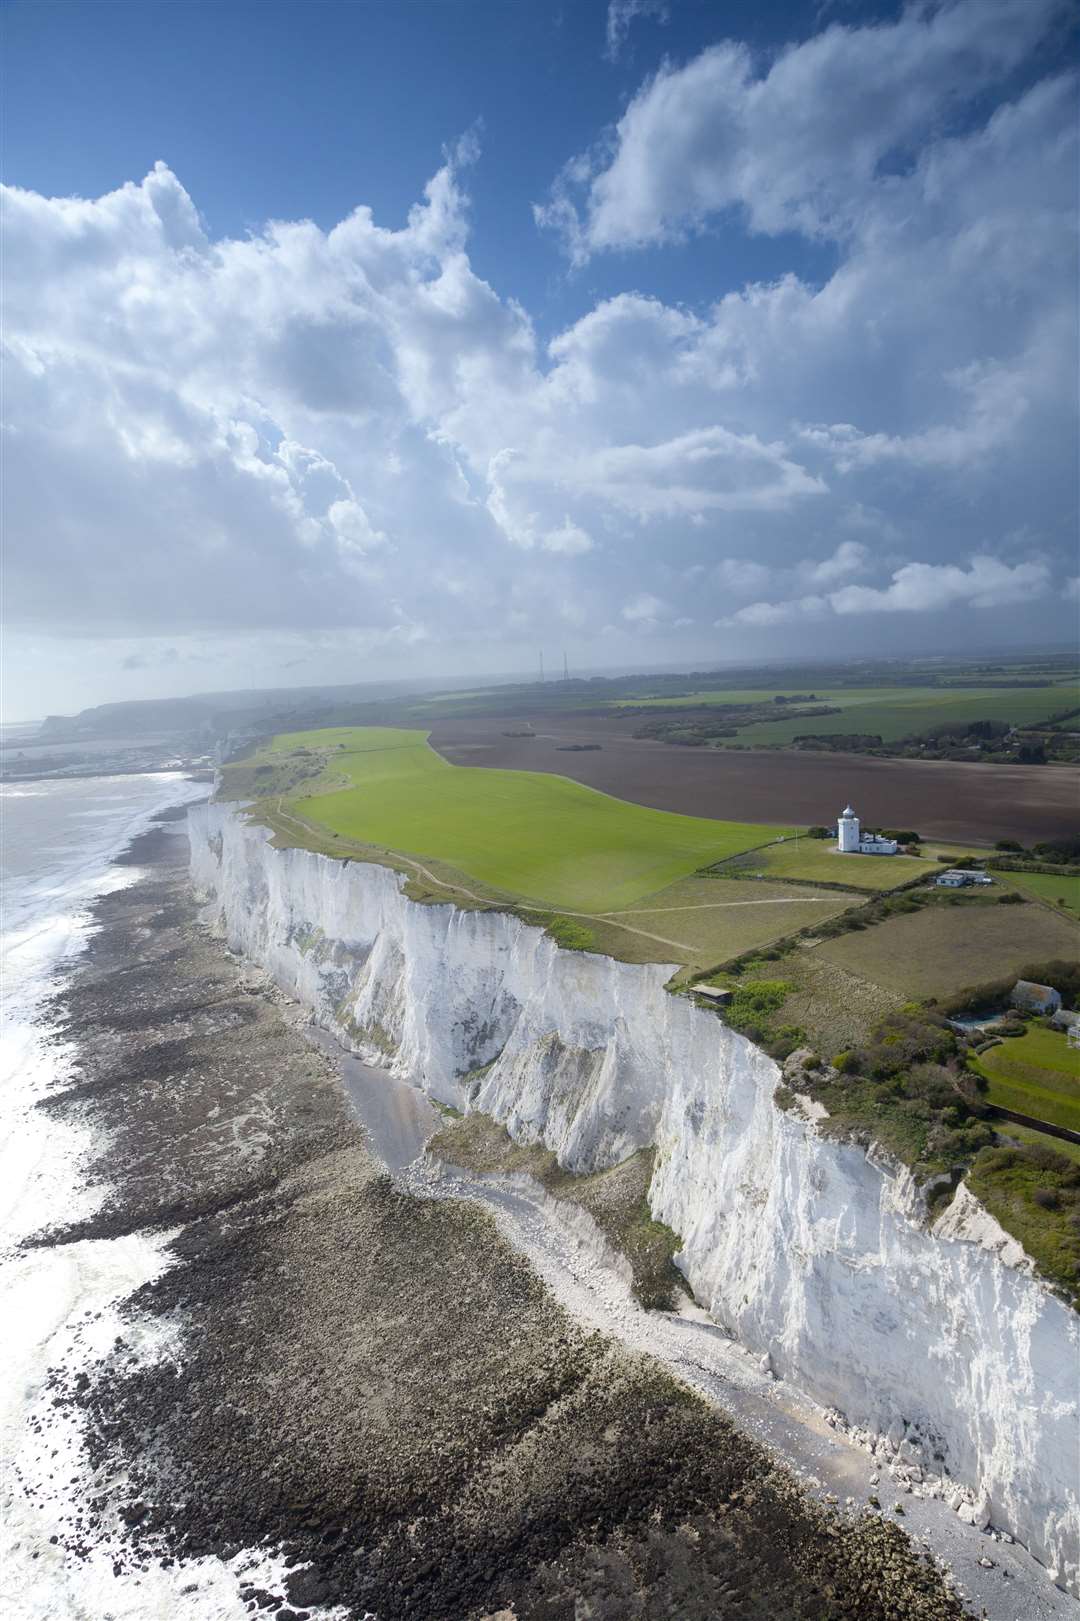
523,833
1037,1074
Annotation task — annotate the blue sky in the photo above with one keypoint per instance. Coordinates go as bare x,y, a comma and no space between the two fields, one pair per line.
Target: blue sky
671,332
322,105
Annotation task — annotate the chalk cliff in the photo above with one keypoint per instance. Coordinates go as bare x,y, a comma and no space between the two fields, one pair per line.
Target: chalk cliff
941,1341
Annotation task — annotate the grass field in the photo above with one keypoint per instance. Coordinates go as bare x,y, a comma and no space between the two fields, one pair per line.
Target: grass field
1046,886
818,861
890,712
1037,1074
943,949
521,833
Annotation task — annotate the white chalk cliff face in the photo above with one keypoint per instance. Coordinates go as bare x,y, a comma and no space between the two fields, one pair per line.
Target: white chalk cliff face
809,1250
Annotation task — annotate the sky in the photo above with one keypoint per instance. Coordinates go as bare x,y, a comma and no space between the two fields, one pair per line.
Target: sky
351,341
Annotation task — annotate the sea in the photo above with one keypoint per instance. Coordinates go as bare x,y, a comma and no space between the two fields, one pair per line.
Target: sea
58,1305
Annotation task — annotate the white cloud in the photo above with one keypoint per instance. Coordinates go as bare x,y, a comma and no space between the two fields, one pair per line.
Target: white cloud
798,146
308,432
922,588
849,558
646,611
929,587
568,539
620,16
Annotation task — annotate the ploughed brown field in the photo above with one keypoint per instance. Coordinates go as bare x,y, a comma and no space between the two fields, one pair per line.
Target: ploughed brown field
942,800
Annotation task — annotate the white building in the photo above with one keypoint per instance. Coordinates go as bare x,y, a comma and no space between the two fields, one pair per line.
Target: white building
850,841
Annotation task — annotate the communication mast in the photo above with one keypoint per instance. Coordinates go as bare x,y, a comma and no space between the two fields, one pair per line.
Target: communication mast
565,667
541,666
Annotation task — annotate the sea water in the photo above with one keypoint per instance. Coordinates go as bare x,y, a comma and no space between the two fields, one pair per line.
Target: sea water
58,838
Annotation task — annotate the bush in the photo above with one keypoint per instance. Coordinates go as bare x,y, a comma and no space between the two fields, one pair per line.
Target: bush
1011,845
1010,898
570,935
1047,1198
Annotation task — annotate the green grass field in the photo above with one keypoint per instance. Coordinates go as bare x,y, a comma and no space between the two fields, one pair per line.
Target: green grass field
1037,1074
891,712
818,861
521,833
1045,886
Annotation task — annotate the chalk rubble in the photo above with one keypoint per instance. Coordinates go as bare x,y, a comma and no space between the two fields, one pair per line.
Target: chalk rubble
937,1348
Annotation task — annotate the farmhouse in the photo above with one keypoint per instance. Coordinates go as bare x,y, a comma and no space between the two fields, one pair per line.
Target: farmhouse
850,841
1035,998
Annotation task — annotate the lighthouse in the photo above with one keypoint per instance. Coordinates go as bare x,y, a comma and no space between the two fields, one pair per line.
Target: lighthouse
847,829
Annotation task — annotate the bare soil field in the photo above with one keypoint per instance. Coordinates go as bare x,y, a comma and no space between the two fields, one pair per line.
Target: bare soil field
944,949
940,799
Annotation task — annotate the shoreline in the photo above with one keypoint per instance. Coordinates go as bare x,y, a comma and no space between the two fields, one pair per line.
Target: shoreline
343,1361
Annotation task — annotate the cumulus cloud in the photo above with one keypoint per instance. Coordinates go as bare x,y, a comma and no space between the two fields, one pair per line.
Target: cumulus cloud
349,433
797,147
645,611
923,588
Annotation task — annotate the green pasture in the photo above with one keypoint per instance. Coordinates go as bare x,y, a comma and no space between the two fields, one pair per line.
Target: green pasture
1046,886
818,861
520,832
1037,1073
890,712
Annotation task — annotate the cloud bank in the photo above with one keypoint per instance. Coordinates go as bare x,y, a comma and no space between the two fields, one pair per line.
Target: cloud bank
348,439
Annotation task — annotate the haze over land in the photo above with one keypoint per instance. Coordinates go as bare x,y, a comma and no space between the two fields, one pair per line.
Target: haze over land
756,337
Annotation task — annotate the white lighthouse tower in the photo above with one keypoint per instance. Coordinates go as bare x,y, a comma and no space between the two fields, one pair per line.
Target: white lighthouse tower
848,830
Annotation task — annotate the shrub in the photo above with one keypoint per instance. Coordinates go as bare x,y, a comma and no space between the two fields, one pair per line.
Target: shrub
570,935
1011,898
1046,1198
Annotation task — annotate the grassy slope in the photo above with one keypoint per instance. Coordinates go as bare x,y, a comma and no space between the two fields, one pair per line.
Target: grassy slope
520,832
941,950
1037,1074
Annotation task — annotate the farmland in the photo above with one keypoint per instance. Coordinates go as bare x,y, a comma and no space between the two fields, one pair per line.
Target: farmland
521,834
889,712
959,802
1036,1074
942,949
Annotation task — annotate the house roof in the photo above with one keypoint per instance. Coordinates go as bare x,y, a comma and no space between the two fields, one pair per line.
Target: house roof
1034,992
